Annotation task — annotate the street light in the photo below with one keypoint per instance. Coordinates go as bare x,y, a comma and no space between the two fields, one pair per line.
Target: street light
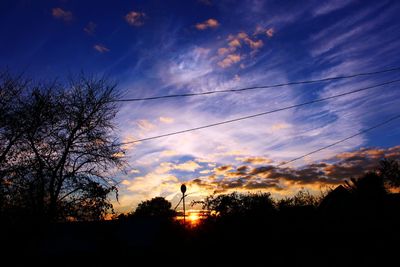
183,190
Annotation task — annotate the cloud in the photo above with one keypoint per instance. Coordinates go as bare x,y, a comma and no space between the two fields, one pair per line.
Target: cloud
201,51
100,48
270,32
90,28
169,153
221,170
166,120
255,160
329,6
134,18
178,67
350,164
210,23
254,44
127,139
229,60
125,182
279,126
145,125
133,171
234,43
187,166
222,51
62,14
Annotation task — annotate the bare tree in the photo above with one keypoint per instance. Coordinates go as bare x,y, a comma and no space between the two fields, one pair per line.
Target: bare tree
57,147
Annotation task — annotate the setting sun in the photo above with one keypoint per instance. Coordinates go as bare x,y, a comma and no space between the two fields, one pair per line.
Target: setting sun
193,217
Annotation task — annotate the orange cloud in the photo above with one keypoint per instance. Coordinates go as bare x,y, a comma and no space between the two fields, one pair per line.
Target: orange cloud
242,35
210,23
255,160
234,43
100,48
279,126
134,18
229,60
166,120
270,32
254,44
59,13
285,179
129,139
169,153
222,51
145,125
190,166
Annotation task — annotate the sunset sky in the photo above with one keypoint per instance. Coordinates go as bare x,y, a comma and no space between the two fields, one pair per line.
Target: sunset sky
160,47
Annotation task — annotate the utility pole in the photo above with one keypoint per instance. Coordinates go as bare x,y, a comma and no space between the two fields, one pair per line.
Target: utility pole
183,190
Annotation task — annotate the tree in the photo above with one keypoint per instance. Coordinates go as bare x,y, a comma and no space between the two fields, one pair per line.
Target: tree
157,207
389,170
57,148
235,204
369,186
302,198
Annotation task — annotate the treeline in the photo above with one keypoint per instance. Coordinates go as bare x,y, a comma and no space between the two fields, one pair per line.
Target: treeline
353,224
368,196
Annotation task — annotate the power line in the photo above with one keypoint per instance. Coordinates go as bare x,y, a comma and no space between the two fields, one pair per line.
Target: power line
341,141
259,114
259,87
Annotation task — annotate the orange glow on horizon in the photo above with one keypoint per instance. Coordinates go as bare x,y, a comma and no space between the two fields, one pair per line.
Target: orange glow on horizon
193,217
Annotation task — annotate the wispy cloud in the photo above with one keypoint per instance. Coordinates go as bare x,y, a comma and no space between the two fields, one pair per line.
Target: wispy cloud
237,156
135,18
145,125
166,119
101,48
62,14
90,28
330,6
210,23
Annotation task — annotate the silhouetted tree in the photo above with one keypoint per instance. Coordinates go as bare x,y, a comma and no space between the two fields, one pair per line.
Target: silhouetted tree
389,170
370,185
157,207
300,199
57,147
236,204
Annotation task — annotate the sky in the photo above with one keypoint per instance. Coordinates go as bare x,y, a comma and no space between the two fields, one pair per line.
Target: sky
162,47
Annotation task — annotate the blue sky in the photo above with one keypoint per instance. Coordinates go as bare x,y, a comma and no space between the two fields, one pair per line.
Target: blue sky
167,47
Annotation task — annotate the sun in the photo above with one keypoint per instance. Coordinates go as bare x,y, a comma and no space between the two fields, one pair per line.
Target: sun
193,218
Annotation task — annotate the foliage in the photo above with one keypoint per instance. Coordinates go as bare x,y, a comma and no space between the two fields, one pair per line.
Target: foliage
57,147
239,204
389,170
300,199
368,186
157,207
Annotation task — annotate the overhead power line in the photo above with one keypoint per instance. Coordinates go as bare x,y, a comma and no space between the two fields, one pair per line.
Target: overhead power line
260,114
260,87
341,141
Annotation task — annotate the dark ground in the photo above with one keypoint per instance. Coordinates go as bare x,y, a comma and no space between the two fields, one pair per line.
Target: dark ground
289,241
